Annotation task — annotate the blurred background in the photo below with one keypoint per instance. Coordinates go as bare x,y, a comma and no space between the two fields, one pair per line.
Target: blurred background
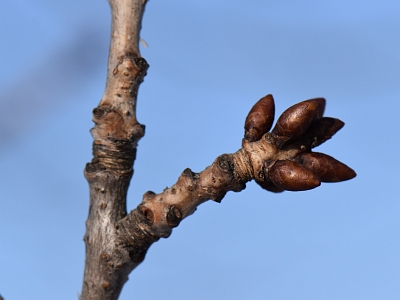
210,61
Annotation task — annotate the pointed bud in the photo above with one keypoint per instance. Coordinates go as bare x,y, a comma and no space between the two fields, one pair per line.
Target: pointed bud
294,121
325,167
321,107
291,176
321,130
260,118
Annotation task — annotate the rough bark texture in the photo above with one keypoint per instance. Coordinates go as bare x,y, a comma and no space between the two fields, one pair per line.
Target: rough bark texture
116,134
116,242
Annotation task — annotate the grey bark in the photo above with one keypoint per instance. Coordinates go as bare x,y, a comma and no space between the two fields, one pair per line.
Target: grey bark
116,134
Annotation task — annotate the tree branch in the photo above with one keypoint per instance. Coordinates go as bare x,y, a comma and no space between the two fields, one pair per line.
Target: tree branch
116,134
274,166
117,242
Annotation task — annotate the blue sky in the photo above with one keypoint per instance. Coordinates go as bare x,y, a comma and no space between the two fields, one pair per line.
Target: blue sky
210,61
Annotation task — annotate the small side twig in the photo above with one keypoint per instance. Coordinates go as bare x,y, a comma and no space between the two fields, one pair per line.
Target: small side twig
278,160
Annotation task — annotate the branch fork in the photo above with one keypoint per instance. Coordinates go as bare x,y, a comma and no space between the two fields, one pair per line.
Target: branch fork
278,160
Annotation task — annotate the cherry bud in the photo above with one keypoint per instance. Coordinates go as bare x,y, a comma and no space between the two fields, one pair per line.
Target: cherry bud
294,121
325,167
291,176
321,130
321,107
269,186
260,118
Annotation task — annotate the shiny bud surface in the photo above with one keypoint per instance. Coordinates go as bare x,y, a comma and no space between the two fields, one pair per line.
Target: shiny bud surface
294,121
260,118
291,176
321,107
327,168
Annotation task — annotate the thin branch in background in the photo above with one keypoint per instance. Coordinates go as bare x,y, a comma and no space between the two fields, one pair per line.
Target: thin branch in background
62,74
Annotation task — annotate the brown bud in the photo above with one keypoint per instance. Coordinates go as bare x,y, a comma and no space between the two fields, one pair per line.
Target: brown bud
291,176
269,186
321,107
294,121
321,130
326,167
260,118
